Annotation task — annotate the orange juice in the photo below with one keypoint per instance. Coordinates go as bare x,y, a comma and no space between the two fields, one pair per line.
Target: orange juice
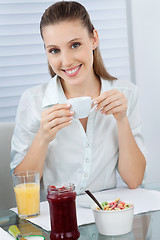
28,199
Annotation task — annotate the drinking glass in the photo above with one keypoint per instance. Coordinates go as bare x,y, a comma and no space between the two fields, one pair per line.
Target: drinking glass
27,193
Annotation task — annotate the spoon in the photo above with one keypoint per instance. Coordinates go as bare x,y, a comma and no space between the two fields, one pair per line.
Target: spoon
14,231
94,199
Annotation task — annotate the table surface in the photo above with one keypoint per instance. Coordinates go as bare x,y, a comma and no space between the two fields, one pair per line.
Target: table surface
145,227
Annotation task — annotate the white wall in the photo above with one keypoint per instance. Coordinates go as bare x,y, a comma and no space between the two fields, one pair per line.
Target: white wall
145,18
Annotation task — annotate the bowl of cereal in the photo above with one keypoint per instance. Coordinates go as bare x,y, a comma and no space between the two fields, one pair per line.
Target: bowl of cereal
116,218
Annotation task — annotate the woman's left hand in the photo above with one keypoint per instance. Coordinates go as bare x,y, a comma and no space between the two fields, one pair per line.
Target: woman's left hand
112,102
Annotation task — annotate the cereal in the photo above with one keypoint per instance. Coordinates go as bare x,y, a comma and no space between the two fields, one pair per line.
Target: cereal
115,205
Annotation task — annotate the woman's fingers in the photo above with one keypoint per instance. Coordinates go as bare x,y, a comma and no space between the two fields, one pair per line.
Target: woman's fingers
58,121
55,118
118,109
58,124
59,114
112,102
61,125
116,103
57,107
56,111
105,98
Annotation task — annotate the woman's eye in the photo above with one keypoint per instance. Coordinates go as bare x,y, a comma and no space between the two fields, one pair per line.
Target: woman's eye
54,51
75,45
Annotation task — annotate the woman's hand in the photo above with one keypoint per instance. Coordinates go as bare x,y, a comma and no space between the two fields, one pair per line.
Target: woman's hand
53,119
112,102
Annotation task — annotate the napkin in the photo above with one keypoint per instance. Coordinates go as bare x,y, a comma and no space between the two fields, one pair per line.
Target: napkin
144,201
43,220
5,235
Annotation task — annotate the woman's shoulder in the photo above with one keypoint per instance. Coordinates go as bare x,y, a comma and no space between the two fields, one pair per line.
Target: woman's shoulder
39,91
33,96
121,85
124,84
127,87
30,106
36,90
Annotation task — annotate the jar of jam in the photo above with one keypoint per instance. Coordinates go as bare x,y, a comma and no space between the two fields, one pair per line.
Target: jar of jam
63,212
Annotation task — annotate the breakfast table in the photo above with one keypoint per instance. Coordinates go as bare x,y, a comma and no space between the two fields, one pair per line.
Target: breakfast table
145,223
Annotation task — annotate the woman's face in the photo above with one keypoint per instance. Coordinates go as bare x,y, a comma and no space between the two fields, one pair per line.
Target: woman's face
69,49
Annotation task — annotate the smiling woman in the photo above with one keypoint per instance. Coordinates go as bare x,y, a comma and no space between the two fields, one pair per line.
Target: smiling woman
49,139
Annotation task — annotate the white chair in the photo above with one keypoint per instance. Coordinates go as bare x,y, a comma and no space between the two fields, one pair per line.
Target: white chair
7,197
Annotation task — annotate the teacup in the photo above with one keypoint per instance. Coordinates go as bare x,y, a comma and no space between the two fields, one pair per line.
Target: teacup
82,106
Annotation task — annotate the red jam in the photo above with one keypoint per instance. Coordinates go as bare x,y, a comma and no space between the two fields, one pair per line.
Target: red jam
63,213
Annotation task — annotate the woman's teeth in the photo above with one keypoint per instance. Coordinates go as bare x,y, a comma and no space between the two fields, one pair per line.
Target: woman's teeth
72,71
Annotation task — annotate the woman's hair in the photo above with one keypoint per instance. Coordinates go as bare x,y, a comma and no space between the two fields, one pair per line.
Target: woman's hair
71,10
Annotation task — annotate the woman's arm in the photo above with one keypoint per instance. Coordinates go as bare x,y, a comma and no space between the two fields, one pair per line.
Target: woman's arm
53,119
35,158
131,162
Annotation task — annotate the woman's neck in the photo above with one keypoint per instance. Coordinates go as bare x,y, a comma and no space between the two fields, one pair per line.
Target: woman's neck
89,88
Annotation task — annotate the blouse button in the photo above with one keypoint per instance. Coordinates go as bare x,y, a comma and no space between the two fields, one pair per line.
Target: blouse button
87,145
86,175
87,160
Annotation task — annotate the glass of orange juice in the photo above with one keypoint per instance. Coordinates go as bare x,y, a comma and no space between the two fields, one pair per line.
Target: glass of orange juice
27,192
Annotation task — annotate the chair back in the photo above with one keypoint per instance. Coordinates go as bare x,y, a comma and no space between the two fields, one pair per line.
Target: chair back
7,196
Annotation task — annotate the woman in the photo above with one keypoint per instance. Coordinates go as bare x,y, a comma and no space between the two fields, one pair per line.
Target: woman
48,138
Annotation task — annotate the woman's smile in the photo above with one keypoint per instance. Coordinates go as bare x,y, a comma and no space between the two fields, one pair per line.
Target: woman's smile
71,72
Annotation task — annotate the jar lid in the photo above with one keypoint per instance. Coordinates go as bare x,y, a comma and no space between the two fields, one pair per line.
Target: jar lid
61,189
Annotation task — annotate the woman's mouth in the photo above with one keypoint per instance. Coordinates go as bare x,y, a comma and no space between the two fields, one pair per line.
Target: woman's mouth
72,71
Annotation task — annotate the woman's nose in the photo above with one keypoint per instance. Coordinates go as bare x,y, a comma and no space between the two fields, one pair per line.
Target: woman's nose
67,59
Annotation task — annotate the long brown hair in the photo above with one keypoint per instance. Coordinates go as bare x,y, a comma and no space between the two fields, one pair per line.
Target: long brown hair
71,10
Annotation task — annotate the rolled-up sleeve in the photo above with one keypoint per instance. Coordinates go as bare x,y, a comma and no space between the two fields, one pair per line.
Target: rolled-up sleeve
25,130
135,120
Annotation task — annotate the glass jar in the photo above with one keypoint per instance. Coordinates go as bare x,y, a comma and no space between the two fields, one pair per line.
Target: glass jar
63,212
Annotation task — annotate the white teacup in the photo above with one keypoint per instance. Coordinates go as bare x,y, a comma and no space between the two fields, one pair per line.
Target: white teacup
82,106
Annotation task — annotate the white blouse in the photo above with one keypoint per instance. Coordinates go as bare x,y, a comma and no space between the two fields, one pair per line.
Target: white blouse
87,159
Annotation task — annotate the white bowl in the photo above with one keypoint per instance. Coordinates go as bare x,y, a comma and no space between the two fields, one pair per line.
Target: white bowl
113,223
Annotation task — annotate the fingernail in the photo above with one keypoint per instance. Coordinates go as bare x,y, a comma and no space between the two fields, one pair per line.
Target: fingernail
95,102
68,104
71,112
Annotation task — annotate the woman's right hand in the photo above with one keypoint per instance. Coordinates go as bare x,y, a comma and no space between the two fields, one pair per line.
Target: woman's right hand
53,119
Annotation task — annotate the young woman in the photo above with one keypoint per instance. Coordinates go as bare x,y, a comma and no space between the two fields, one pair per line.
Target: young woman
48,138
